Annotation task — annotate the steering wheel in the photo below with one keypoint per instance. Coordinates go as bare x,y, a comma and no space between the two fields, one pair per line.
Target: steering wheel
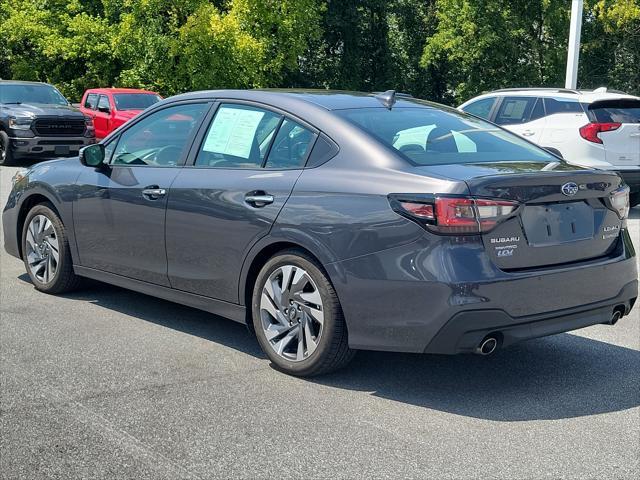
164,156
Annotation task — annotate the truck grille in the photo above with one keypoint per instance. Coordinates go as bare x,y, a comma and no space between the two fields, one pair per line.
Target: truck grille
53,127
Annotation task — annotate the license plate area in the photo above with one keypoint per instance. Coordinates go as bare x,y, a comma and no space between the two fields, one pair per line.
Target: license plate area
61,150
552,224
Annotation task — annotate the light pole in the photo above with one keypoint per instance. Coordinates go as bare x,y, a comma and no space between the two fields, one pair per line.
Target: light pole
573,53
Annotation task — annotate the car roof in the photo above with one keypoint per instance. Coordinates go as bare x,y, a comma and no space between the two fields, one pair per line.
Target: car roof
583,96
326,99
105,90
22,82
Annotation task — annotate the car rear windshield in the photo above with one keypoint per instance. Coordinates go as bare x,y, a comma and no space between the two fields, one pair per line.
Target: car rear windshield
429,136
615,111
135,101
26,93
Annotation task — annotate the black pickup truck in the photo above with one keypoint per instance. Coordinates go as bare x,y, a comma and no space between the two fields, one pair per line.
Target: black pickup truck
37,122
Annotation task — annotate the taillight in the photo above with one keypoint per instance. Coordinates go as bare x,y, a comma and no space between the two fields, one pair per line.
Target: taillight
620,201
453,215
591,130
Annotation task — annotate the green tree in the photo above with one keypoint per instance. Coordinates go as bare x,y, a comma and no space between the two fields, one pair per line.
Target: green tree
488,44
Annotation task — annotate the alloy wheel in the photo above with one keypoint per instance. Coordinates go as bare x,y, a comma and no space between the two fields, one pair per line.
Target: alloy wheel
42,248
292,313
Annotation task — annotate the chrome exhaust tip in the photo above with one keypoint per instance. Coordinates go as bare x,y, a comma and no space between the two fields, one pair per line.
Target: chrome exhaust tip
487,346
617,315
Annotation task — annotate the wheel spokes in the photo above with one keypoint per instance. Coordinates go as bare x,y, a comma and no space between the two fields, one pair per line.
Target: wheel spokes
43,248
291,313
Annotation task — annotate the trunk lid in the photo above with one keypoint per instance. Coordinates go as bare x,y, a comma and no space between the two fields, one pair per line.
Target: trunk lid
564,214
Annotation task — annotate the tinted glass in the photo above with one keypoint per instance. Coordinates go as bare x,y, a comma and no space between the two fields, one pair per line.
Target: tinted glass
291,146
159,140
428,136
538,110
514,110
562,105
44,94
134,101
91,101
481,108
103,102
239,137
616,111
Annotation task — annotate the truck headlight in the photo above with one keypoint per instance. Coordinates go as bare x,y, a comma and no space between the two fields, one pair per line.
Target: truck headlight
20,123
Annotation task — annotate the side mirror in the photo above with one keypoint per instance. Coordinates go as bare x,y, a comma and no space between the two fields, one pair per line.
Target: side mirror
104,109
92,155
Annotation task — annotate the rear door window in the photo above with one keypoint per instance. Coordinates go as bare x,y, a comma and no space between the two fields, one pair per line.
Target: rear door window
291,146
615,111
239,136
515,110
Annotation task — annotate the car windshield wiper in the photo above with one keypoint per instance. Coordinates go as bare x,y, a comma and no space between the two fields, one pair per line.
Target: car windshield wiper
11,103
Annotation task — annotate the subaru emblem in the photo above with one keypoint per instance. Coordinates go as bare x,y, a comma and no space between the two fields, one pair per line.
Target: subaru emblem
569,189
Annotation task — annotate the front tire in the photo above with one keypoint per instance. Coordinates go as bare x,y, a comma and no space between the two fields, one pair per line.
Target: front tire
297,316
46,253
6,155
634,199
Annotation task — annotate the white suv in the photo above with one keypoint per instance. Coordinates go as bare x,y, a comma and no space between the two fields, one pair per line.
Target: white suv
596,129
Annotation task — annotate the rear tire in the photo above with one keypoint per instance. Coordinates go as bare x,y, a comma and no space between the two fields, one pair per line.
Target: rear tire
46,253
297,316
6,155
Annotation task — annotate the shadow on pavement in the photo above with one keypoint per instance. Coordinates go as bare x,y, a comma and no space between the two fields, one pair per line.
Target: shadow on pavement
557,377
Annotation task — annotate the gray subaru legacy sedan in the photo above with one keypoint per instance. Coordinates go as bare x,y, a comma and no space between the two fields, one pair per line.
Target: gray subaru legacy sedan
333,221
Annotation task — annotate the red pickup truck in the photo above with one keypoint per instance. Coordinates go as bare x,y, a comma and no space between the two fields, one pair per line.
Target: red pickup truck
111,107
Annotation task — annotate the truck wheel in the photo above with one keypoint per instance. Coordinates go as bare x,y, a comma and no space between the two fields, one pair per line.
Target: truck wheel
6,155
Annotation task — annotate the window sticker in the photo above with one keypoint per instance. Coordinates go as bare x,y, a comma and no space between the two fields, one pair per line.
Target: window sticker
233,131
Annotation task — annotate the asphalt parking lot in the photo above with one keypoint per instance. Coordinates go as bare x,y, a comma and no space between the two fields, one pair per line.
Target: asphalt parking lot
107,383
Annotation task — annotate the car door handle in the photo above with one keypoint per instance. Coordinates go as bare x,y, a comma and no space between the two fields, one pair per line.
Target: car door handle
528,133
153,192
258,199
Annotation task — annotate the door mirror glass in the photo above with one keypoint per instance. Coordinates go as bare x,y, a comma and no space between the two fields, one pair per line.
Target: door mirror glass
93,155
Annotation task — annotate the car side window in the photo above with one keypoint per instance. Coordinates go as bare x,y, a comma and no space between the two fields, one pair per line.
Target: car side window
103,102
291,146
515,110
562,105
538,110
91,101
481,108
161,138
239,136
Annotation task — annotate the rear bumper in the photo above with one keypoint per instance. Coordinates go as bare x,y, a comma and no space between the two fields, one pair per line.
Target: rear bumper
464,332
48,147
631,178
410,298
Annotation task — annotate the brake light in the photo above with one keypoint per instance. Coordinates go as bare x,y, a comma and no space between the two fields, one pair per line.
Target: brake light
591,130
453,215
620,202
